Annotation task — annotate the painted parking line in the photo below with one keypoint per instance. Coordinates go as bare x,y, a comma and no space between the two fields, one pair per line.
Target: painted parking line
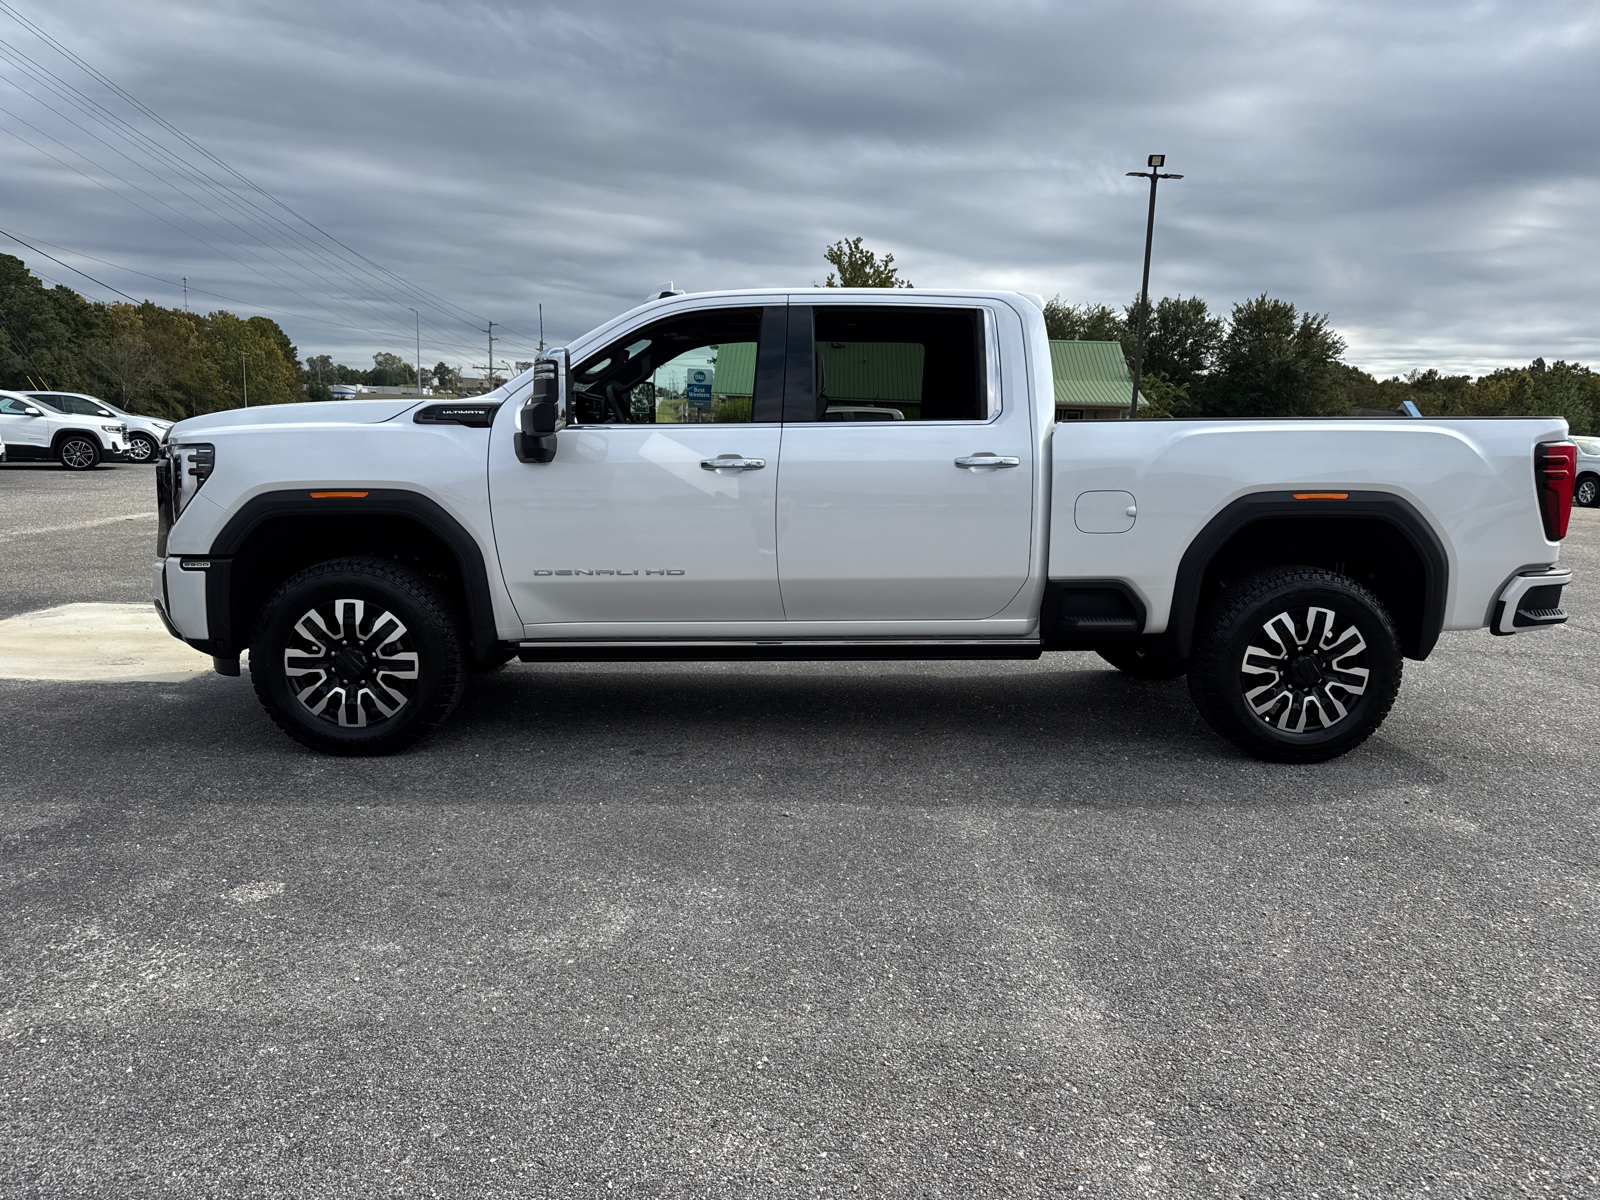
12,535
81,642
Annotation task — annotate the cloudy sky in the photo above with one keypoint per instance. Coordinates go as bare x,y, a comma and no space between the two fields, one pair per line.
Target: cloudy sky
1426,173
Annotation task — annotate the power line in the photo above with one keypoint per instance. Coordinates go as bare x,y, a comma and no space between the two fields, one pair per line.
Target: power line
438,303
70,267
380,314
436,347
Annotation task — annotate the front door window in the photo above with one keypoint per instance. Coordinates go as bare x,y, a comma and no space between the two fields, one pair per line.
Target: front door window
695,368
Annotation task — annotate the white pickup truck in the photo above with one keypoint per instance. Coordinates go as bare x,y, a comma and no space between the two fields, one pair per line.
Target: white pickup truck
841,474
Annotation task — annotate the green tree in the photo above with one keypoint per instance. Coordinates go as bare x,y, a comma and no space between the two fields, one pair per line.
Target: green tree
1182,338
189,380
389,370
1274,362
1559,389
242,349
1086,323
446,378
856,266
121,364
42,330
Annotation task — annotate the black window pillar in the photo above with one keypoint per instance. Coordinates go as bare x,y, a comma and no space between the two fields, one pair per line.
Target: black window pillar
799,372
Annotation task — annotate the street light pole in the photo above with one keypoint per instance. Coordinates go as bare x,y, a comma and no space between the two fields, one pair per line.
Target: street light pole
1155,162
418,316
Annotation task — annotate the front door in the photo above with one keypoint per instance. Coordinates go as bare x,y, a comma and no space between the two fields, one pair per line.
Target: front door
660,502
906,489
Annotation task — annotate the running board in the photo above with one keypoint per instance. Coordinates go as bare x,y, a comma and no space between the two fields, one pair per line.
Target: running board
771,651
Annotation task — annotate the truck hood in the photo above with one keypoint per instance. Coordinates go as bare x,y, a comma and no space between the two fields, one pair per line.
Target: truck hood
336,412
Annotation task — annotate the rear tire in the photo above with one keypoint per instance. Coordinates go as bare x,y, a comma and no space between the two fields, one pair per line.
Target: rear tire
1143,660
76,452
1295,664
358,656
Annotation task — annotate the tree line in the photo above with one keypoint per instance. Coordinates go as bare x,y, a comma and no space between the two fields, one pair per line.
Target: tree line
166,362
1268,359
1265,358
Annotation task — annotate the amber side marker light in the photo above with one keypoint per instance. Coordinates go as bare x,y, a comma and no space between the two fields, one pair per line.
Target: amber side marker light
1322,495
338,495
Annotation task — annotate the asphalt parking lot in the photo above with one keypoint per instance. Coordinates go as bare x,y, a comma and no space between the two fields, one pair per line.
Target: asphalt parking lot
910,930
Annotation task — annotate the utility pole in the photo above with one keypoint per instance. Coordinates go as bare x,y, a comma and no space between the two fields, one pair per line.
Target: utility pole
541,329
490,368
244,373
418,317
185,293
1155,163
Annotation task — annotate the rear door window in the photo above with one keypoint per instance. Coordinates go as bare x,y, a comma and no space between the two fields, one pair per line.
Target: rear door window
899,363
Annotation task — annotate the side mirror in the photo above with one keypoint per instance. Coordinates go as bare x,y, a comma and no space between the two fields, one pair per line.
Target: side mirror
545,413
30,411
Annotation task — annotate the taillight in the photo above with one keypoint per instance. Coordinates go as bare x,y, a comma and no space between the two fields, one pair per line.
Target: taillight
1555,466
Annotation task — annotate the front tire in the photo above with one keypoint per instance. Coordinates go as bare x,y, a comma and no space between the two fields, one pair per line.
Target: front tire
358,656
1587,493
1295,664
142,449
76,452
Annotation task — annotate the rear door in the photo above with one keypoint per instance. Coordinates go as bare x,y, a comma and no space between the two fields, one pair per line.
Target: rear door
925,513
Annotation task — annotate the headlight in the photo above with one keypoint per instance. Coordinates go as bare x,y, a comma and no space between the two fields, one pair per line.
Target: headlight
115,428
192,465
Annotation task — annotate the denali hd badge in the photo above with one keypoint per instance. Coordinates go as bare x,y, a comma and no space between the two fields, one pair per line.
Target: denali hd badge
635,571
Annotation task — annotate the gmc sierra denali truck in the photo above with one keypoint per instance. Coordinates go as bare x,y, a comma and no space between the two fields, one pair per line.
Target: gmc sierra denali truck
841,474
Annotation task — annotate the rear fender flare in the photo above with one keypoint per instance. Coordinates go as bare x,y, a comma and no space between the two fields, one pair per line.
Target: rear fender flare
1378,506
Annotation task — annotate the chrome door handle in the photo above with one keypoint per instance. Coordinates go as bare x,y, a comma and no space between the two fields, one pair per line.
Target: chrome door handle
732,462
988,460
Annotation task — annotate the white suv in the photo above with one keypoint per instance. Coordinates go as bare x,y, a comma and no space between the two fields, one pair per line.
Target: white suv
145,434
1586,487
32,430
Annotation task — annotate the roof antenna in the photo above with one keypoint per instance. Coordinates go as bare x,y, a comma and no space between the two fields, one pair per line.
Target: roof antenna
662,294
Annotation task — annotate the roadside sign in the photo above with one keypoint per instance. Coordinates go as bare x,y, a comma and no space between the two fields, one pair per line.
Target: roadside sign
697,387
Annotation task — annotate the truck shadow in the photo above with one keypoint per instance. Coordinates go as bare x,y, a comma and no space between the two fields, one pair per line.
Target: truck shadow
1059,732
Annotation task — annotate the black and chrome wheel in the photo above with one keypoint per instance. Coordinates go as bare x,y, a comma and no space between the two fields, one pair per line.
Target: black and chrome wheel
142,448
1587,493
358,656
77,452
1296,664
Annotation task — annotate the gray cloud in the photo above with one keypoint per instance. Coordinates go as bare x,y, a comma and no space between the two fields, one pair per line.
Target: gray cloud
1425,173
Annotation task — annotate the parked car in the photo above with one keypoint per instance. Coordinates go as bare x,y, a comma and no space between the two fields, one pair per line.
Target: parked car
37,431
1586,489
371,553
145,434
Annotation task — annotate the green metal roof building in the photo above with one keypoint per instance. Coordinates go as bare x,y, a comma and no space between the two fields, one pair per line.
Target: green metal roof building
1092,381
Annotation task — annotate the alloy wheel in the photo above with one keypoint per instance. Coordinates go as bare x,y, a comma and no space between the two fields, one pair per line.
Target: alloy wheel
77,454
141,450
1304,670
1588,488
347,670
